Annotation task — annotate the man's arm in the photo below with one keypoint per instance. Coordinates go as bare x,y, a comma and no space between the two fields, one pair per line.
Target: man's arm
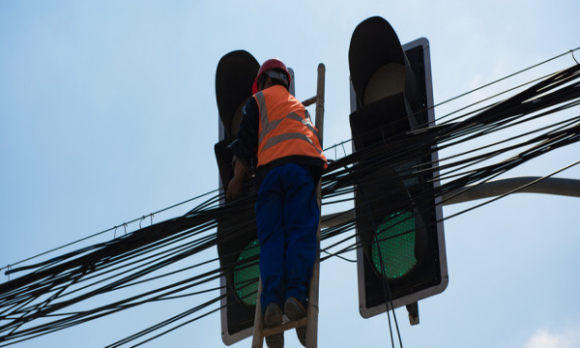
235,185
244,148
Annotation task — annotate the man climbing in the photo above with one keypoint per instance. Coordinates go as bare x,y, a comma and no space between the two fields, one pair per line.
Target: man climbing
277,129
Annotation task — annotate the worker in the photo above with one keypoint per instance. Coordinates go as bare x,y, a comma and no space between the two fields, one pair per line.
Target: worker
277,129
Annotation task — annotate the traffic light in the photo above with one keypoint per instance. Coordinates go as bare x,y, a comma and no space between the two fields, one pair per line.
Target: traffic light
238,246
401,258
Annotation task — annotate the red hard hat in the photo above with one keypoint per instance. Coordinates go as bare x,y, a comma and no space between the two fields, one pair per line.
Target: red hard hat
270,64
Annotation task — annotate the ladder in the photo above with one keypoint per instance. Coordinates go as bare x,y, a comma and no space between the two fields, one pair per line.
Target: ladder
311,319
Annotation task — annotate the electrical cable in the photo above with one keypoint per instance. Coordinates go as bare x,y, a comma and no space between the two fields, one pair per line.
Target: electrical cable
139,258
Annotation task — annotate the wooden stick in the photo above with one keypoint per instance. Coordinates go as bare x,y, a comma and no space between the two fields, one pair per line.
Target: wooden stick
309,101
312,310
258,338
319,123
289,325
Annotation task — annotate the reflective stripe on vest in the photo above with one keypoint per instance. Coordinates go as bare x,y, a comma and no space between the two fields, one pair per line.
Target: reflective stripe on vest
296,137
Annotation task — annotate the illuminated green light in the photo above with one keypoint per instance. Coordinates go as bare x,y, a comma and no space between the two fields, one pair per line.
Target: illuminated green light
396,240
246,274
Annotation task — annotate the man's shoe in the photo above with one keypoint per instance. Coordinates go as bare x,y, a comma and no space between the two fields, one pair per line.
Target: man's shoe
273,318
294,311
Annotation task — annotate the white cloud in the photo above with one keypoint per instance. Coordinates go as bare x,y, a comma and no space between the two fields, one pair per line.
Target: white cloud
543,338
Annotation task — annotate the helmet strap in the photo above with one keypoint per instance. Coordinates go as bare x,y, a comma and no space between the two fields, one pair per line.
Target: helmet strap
280,76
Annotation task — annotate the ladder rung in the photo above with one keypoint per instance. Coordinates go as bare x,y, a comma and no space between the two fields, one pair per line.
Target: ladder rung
309,101
289,325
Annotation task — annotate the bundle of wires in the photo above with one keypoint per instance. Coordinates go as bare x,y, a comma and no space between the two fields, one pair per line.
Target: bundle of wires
48,296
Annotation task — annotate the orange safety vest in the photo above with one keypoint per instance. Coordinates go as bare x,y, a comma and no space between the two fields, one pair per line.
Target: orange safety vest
285,128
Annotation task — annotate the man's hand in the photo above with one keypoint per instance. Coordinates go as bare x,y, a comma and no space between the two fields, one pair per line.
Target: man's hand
235,188
235,185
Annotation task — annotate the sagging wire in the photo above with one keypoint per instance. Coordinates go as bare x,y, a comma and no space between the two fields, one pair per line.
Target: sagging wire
478,89
385,283
110,229
513,191
572,53
505,77
52,276
340,257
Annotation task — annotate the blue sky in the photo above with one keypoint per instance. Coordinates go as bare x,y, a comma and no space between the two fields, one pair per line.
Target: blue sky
108,112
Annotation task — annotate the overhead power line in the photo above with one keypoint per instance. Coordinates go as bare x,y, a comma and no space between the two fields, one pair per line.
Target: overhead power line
139,260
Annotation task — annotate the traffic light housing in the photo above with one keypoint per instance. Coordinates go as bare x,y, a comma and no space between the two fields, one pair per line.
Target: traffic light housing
238,246
401,255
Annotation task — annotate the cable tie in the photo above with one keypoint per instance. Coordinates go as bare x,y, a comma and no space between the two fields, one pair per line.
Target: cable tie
572,53
143,218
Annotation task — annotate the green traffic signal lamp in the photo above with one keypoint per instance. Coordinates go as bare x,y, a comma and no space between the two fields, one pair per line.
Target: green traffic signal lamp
395,245
247,273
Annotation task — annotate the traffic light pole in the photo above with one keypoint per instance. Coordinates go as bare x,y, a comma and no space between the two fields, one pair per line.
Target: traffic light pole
524,184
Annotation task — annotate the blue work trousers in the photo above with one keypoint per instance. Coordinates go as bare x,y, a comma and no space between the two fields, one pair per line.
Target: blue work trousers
287,216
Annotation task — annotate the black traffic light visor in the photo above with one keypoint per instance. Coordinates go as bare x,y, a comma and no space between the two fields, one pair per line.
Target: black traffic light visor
374,44
235,75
